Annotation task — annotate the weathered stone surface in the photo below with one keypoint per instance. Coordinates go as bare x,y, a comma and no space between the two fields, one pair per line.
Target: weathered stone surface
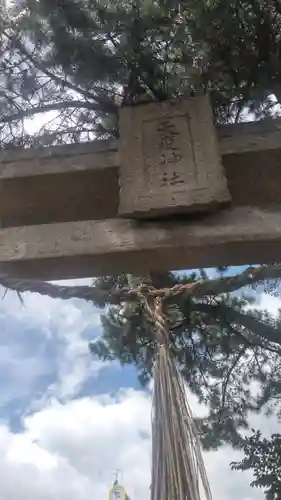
80,182
170,159
234,236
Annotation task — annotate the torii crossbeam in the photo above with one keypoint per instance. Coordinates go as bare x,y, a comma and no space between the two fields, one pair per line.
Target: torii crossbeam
59,211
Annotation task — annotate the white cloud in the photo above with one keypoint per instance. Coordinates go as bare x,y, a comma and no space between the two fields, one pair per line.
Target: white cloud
270,303
70,451
75,363
19,375
46,323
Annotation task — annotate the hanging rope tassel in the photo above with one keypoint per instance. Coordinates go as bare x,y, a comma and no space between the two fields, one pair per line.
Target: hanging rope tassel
178,471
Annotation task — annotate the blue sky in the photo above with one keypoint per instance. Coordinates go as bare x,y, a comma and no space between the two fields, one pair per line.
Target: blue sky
67,421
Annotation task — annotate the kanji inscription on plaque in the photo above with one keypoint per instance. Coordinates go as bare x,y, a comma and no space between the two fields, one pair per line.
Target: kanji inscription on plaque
170,161
170,153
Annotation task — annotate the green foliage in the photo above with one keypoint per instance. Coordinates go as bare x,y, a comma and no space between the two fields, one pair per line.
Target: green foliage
84,59
222,349
263,458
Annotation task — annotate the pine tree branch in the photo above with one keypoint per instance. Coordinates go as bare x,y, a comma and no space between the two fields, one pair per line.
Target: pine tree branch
88,293
105,105
260,329
56,106
251,276
277,5
47,138
251,343
226,379
101,296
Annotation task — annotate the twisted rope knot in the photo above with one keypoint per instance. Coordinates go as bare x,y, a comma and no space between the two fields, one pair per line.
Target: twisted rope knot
154,307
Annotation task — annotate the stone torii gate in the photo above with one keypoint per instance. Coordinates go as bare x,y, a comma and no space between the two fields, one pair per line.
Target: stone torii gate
173,193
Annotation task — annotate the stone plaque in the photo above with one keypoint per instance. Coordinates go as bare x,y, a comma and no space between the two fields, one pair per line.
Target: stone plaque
170,160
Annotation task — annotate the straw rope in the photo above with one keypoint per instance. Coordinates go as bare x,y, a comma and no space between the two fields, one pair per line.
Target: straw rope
177,464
